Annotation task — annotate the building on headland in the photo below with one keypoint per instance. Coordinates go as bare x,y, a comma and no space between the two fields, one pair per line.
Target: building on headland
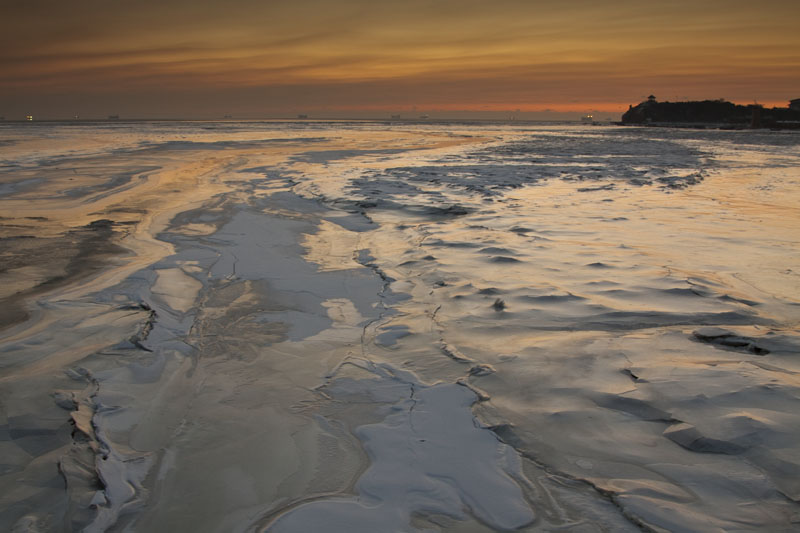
794,104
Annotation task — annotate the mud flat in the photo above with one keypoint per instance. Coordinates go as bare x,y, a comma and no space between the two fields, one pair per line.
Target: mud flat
363,327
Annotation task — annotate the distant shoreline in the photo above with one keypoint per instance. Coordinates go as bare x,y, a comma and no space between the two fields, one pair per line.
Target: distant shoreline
312,120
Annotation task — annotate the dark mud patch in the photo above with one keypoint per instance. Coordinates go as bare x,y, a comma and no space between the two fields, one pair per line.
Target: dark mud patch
729,340
57,261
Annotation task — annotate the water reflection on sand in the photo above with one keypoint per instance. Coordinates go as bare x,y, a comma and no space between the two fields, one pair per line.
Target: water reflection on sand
361,326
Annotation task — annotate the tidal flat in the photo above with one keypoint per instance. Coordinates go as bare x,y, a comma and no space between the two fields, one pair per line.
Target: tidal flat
366,326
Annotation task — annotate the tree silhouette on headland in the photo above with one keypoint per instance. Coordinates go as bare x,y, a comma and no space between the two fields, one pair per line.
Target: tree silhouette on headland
711,112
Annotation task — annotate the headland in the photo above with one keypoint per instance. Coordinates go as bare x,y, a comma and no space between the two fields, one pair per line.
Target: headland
712,114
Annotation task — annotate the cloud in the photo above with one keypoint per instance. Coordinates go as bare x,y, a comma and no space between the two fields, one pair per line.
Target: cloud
470,52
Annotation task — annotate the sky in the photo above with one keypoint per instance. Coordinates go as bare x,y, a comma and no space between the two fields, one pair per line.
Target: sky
360,58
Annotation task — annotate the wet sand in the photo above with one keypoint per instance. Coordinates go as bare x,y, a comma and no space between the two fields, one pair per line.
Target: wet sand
362,327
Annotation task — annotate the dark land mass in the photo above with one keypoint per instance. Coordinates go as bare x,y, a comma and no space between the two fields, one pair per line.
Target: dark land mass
712,113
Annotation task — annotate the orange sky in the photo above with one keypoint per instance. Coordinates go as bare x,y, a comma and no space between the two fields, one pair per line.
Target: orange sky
262,58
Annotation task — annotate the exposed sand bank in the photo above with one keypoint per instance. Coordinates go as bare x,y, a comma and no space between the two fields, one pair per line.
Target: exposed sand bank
362,328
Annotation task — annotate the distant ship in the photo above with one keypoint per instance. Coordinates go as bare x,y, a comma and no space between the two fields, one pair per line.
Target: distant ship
395,117
113,117
587,119
228,116
302,116
29,118
424,116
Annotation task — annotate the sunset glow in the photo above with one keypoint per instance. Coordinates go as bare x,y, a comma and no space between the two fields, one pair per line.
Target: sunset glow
270,59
